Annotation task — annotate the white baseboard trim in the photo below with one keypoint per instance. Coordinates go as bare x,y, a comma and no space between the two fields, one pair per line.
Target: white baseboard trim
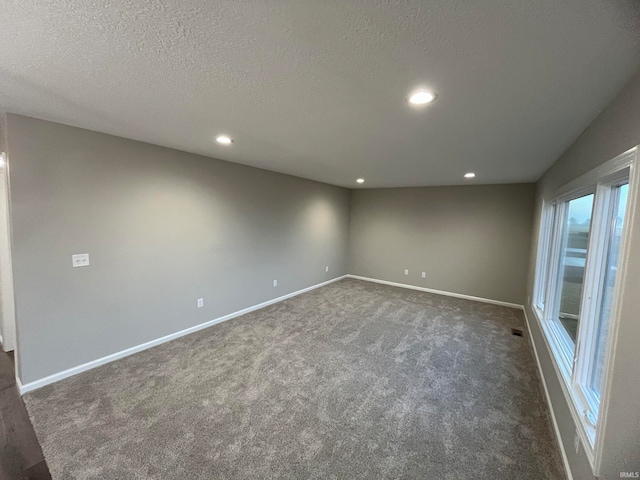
437,292
556,429
28,387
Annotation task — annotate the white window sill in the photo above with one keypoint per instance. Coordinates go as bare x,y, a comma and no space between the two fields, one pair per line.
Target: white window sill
577,404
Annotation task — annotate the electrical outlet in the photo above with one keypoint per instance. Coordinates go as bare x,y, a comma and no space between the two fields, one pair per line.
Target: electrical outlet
406,272
275,283
424,274
576,442
200,302
80,260
326,269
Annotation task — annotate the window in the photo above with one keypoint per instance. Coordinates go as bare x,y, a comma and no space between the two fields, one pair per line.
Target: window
573,254
608,285
580,251
548,215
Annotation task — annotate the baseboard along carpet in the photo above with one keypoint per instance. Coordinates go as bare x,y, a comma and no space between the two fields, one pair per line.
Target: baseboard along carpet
353,380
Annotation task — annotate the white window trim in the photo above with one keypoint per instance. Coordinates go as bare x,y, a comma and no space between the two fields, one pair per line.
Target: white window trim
547,217
579,402
598,257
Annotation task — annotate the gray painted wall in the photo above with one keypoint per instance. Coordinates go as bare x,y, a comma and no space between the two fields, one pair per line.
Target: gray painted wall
473,240
162,228
615,130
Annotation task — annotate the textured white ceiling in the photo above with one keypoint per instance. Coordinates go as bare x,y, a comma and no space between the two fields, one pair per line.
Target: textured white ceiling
317,89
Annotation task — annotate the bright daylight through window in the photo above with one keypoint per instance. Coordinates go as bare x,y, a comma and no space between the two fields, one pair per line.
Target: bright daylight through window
582,231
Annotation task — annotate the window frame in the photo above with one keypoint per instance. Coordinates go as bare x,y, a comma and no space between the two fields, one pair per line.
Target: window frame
547,219
603,209
573,362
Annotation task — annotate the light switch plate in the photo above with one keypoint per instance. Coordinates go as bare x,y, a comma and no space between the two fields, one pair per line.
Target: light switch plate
80,260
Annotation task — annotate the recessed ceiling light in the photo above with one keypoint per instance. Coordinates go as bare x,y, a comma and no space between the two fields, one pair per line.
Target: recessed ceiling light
224,140
422,97
360,180
469,175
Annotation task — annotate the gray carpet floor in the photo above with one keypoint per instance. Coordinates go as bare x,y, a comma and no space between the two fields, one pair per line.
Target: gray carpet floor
354,380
